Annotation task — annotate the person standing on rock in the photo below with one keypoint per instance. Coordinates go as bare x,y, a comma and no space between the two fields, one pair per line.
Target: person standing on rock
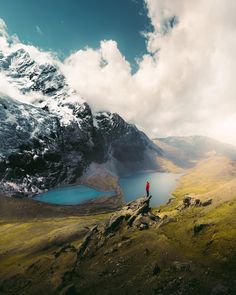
147,188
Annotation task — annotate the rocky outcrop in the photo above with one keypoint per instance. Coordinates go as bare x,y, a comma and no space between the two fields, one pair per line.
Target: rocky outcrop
193,202
136,214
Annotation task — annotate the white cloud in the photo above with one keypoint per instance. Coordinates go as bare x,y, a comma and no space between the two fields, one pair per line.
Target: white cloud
6,88
184,84
3,28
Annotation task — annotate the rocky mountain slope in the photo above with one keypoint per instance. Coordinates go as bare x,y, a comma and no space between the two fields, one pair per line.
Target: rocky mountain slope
54,137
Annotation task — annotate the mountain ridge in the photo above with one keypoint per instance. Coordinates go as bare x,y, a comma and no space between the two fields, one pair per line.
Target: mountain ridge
66,138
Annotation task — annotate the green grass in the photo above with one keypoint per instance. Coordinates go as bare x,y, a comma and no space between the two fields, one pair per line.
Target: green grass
209,174
21,239
27,246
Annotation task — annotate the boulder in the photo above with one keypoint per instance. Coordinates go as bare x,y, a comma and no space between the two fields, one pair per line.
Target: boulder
143,226
187,201
197,202
170,201
181,266
206,203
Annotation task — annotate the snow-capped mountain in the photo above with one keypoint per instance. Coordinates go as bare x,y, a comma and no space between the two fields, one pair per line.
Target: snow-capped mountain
53,138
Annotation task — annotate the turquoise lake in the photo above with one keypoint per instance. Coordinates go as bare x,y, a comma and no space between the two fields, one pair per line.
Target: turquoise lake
161,186
133,187
71,195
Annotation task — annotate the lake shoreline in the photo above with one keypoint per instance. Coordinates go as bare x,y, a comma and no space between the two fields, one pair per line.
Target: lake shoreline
127,188
32,208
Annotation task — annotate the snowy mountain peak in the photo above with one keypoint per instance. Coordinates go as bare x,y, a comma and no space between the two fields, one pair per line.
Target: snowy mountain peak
54,137
27,75
42,84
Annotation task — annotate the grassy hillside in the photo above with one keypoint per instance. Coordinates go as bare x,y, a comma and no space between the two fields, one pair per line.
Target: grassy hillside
25,243
187,261
190,251
209,176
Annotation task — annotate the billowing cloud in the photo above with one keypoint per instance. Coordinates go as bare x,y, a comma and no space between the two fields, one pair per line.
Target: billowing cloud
185,83
3,28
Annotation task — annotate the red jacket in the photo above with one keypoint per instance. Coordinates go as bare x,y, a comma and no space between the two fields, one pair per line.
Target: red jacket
147,186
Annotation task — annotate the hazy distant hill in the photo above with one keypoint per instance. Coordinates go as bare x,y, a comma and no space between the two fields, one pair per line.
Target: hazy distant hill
184,151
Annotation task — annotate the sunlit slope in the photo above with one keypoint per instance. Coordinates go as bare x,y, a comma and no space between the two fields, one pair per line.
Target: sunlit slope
213,176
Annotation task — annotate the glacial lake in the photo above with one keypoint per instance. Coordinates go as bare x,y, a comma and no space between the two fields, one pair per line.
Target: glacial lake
133,187
161,186
71,195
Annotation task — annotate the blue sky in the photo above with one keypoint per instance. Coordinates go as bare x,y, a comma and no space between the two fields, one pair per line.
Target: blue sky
68,25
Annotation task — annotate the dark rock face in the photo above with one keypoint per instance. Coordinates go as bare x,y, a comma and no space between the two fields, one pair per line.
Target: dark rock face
29,148
53,140
135,215
130,148
207,203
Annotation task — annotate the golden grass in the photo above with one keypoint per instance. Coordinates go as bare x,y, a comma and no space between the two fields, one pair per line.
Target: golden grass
169,166
208,175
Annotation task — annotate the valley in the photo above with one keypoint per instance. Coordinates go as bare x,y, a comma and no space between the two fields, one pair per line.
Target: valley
190,248
180,241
